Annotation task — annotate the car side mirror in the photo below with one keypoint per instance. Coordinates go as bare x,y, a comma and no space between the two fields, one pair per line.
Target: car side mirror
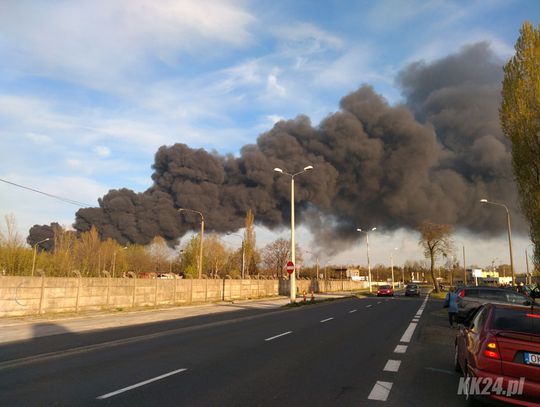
527,303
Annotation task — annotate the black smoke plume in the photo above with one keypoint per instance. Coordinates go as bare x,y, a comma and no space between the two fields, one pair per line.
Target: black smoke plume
431,158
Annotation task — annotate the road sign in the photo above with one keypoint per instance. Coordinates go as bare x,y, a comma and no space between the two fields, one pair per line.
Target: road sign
290,267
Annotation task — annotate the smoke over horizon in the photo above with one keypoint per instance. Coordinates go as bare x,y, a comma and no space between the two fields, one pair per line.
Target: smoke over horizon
431,158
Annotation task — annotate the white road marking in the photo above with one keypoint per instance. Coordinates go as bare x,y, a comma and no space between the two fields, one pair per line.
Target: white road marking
379,302
277,336
408,333
392,365
351,311
415,320
380,391
369,306
400,349
327,319
114,393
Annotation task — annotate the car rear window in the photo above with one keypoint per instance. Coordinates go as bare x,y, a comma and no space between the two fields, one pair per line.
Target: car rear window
384,287
471,292
412,286
493,295
523,321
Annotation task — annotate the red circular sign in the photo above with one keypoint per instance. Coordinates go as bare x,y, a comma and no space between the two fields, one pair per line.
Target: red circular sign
290,267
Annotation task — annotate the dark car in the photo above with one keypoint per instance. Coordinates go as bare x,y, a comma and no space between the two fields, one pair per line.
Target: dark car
501,345
412,289
471,298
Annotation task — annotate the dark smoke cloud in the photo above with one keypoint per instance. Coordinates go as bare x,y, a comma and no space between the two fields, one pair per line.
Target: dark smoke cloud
38,233
431,158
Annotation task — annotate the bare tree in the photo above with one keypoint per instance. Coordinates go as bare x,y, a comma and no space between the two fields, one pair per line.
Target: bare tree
437,241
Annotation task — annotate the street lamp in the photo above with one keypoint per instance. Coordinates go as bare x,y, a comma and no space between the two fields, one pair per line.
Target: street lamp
243,251
293,253
367,245
114,261
509,236
35,253
392,265
202,238
317,259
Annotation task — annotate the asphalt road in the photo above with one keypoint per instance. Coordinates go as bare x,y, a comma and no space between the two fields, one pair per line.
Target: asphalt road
326,354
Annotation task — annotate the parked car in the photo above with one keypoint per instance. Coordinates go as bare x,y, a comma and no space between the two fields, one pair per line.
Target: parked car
412,289
501,343
385,290
471,298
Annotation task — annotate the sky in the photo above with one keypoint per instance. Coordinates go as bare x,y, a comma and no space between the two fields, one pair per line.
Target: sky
90,90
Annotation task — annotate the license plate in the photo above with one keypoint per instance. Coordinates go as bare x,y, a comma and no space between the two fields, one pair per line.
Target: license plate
532,358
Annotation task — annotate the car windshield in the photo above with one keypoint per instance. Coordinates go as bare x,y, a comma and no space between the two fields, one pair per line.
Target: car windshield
523,321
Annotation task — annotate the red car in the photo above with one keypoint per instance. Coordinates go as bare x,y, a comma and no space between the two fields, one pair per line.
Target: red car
385,290
499,354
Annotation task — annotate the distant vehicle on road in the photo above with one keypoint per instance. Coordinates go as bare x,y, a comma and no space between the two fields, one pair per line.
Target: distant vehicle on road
412,289
501,344
385,290
471,298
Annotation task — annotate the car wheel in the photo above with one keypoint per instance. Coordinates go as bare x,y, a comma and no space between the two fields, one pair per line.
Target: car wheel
457,367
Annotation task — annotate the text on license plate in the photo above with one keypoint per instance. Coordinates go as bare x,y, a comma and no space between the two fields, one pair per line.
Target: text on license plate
532,358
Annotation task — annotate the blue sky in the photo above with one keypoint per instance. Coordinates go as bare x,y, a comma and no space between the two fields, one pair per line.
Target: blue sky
90,90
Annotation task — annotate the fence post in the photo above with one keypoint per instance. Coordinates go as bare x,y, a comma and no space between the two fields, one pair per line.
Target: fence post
155,292
108,275
190,290
258,286
76,272
205,288
134,276
42,294
174,291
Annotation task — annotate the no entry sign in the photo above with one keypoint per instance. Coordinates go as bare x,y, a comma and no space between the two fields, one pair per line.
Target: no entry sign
290,267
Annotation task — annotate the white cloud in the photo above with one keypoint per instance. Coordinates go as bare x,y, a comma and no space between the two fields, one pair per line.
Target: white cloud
38,138
102,151
274,87
32,208
99,43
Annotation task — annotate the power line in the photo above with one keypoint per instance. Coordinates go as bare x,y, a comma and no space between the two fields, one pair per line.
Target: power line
66,200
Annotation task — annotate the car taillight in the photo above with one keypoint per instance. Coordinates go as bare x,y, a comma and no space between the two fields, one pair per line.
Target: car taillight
462,293
533,315
492,351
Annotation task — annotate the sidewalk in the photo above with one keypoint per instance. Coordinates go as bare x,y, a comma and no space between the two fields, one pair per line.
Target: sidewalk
24,328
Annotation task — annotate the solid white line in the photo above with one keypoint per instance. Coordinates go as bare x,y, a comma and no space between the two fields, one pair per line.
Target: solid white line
351,311
400,349
392,365
277,336
327,319
408,332
114,393
369,306
380,391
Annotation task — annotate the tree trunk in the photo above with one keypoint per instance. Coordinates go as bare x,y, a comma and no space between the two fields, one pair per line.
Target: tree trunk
435,282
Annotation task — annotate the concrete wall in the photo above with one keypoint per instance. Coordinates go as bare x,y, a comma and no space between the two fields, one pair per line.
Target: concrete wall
37,295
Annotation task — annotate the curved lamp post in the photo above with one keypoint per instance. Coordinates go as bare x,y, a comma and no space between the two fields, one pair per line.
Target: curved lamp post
202,238
35,253
509,236
392,264
367,245
293,253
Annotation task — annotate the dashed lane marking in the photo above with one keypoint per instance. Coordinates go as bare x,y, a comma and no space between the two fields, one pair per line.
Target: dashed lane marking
369,305
408,332
134,386
392,365
351,311
278,336
380,391
327,319
400,349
